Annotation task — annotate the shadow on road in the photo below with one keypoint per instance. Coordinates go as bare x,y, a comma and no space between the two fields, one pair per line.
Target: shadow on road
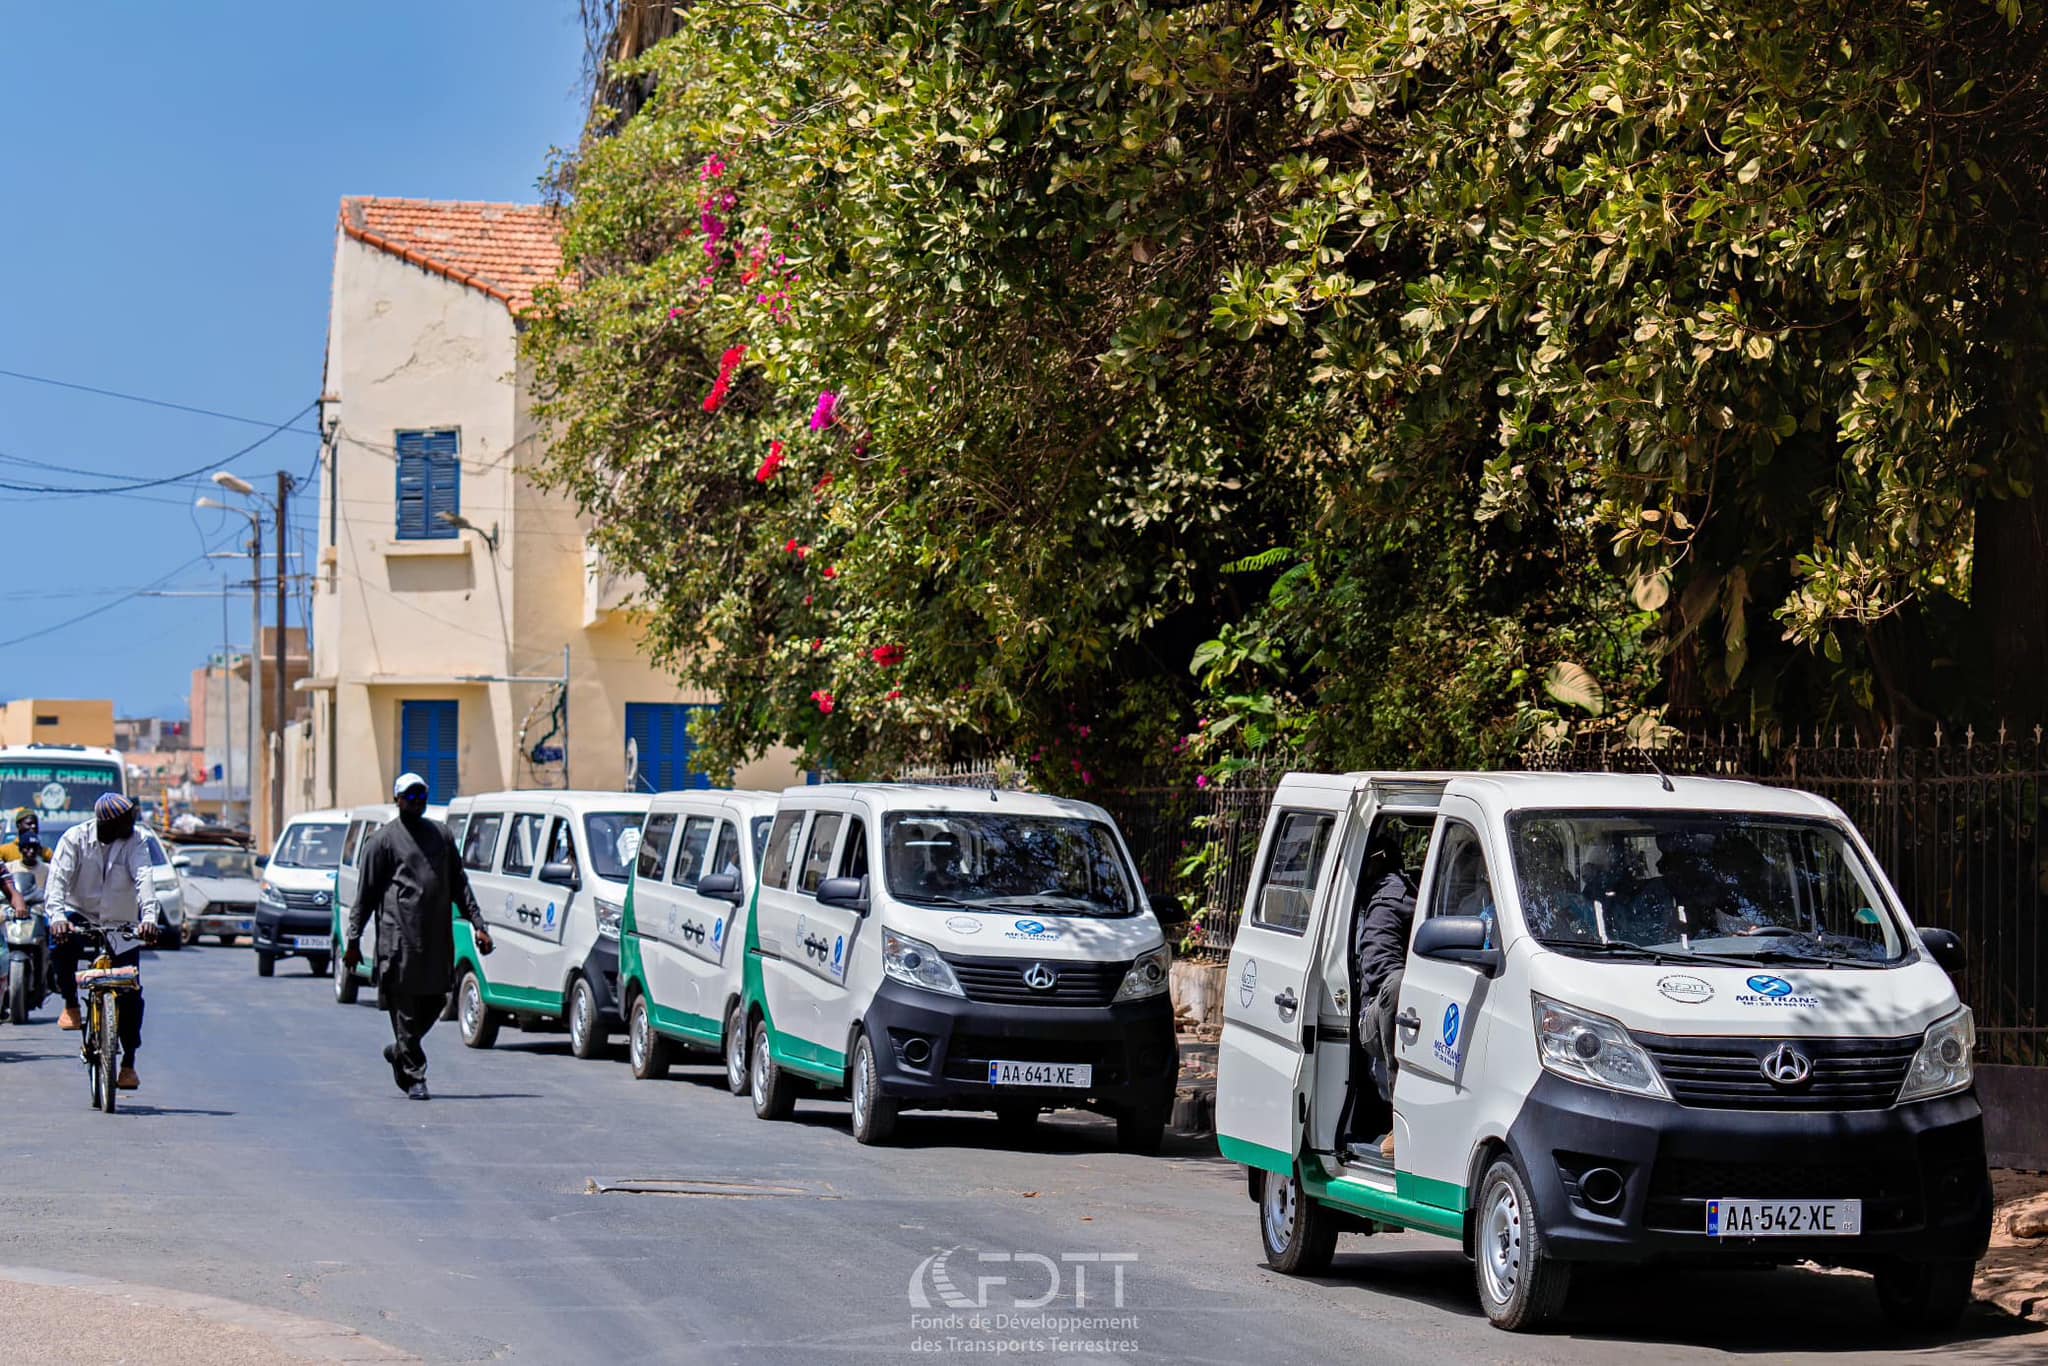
1748,1312
485,1095
135,1108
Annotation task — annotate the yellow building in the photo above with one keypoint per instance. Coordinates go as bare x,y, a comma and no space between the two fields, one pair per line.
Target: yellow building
451,590
57,721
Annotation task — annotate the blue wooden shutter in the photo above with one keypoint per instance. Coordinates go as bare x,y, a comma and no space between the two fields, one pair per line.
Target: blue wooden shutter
661,733
429,483
428,735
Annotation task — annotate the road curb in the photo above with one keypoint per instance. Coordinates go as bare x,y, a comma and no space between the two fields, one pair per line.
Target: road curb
306,1339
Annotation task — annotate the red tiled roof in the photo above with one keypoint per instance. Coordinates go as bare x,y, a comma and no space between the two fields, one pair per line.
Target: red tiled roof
504,250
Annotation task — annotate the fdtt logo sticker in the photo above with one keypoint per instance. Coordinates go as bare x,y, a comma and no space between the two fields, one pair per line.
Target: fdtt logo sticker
1248,982
1446,1048
1765,990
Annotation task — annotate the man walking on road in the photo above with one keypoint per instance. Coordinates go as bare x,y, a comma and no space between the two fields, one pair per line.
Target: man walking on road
413,882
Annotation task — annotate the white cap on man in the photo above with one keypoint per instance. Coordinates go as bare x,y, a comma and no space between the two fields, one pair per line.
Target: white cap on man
406,783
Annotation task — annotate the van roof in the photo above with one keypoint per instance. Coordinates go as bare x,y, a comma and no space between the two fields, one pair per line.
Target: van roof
750,799
311,817
941,797
581,802
1512,791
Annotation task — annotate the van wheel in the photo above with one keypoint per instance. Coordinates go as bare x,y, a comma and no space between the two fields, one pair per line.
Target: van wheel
736,1075
874,1114
266,965
346,986
479,1023
1018,1119
1299,1234
647,1049
586,1036
1521,1286
1140,1129
1922,1297
774,1094
319,963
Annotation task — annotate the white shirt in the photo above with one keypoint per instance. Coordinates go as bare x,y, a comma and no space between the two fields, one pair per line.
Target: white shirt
101,883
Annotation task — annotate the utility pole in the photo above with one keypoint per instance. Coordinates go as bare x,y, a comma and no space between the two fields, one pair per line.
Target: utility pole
284,493
255,658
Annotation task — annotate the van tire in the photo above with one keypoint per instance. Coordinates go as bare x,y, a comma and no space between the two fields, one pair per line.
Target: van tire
477,1022
347,986
1925,1297
1299,1234
737,1075
1140,1129
587,1036
319,963
266,964
647,1049
1018,1120
1521,1286
874,1114
773,1093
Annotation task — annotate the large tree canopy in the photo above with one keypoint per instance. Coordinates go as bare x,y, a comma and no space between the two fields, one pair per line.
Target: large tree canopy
1380,381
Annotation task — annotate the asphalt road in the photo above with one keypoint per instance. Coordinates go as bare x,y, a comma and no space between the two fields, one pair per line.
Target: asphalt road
270,1161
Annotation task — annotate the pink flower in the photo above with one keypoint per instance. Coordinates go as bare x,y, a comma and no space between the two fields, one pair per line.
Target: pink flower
727,365
824,701
821,416
1201,780
674,313
771,464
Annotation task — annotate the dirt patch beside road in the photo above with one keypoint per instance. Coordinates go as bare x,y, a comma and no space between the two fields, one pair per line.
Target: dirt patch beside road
2014,1273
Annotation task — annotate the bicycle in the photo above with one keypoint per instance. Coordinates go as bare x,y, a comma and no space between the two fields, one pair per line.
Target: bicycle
99,1044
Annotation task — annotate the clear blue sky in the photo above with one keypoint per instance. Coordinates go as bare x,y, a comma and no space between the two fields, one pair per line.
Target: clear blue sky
173,174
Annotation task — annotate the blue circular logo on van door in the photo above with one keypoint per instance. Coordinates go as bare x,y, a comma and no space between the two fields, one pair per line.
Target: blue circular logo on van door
1770,986
1451,1019
838,950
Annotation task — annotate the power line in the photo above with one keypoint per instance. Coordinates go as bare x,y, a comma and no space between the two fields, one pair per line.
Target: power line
153,402
213,464
92,612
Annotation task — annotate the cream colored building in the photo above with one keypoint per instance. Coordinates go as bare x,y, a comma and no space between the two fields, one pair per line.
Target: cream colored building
57,721
449,587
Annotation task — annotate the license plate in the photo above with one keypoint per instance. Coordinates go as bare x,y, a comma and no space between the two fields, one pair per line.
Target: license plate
309,941
1784,1218
1040,1074
245,926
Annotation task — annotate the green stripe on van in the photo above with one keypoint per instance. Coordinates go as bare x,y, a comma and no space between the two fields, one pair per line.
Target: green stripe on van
798,1055
682,1024
1387,1207
533,999
1430,1191
1256,1155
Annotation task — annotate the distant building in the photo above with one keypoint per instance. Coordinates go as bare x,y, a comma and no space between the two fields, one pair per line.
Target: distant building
449,585
150,734
57,721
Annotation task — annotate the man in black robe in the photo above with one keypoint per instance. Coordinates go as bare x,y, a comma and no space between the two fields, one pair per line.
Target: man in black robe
414,883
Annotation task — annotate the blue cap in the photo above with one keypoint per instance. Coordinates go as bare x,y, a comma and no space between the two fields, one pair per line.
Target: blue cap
406,783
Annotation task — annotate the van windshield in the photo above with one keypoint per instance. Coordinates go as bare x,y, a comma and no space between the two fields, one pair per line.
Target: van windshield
310,846
1002,863
1732,886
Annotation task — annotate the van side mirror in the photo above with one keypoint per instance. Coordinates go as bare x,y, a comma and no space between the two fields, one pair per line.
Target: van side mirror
847,893
1945,947
1458,939
181,862
263,860
562,874
721,887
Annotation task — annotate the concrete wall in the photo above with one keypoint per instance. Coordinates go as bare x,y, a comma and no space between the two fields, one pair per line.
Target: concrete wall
57,721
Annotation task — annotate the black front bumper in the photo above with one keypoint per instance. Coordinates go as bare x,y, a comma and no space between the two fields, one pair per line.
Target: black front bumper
1919,1170
601,969
1130,1047
276,929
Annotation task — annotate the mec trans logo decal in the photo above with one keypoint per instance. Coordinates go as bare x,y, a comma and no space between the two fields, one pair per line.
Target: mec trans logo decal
1765,990
1446,1048
1032,929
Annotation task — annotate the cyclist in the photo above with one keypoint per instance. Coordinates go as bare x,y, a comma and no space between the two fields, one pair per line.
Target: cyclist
100,875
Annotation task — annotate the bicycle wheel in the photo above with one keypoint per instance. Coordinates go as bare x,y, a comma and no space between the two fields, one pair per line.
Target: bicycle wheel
110,1051
88,1045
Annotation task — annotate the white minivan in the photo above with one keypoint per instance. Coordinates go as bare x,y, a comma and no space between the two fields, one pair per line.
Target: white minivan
295,894
956,948
680,948
550,870
1640,1020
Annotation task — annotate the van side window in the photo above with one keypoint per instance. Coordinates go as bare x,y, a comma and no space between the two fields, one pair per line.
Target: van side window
818,853
725,857
1462,884
562,846
522,847
690,853
853,860
1300,841
349,843
781,852
654,838
480,841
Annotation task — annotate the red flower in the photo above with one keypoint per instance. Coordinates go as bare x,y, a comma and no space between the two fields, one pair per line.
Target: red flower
831,572
895,693
817,645
824,482
727,364
888,656
771,464
824,701
807,599
791,548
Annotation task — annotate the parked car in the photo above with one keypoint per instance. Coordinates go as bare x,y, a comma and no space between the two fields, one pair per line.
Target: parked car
170,897
295,897
217,879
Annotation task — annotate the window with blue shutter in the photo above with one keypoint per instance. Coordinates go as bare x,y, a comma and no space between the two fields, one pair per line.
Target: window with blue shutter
429,484
427,735
659,733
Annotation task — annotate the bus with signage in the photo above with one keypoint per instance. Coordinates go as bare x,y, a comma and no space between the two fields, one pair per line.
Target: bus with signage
59,783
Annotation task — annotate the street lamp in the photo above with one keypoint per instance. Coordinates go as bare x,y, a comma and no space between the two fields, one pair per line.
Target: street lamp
233,485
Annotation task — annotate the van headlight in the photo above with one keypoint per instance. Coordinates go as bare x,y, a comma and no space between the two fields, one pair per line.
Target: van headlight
1592,1049
917,964
269,895
1147,976
608,914
1943,1063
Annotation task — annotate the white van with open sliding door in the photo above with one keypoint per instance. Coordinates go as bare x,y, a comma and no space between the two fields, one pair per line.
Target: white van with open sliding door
1641,1020
681,951
550,871
960,949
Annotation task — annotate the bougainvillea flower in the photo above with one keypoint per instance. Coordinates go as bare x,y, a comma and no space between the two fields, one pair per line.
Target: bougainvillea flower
1201,780
821,416
769,466
831,571
817,645
888,656
895,693
727,365
824,701
824,482
791,547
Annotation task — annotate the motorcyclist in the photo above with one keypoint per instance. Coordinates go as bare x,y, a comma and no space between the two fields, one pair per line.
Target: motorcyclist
27,844
100,875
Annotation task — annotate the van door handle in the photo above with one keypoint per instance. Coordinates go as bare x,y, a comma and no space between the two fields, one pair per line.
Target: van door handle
1408,1019
1287,1001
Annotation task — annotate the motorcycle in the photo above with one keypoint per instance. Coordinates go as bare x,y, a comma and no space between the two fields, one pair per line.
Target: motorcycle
28,950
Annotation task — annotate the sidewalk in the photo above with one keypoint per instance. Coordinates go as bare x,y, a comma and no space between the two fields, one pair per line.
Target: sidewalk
56,1318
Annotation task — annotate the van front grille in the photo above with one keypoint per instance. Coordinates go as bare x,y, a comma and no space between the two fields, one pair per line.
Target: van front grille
1728,1073
1002,981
